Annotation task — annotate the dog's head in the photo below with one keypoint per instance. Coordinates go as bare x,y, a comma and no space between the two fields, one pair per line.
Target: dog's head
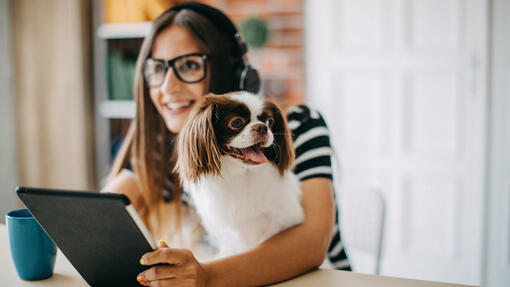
238,125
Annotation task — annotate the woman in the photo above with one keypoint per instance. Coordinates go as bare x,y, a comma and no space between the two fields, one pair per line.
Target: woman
188,54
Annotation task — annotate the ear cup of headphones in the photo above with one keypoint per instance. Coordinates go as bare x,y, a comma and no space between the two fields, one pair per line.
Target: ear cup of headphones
249,80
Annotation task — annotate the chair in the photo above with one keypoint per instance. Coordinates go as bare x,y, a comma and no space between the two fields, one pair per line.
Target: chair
362,214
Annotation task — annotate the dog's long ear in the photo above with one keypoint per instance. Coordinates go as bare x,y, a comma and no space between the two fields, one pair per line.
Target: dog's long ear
198,152
282,151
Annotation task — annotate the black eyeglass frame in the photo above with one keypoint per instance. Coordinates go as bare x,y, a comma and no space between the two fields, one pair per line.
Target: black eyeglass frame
170,63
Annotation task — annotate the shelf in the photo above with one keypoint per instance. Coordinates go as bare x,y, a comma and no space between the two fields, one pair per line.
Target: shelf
117,109
124,30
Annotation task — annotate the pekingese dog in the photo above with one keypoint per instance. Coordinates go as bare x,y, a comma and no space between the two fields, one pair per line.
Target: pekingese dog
235,156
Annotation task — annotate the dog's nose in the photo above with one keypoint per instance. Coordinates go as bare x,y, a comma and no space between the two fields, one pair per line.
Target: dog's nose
261,129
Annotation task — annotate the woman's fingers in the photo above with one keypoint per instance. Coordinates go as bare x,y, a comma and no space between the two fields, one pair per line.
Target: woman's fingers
162,244
171,282
172,274
165,255
181,268
164,282
160,272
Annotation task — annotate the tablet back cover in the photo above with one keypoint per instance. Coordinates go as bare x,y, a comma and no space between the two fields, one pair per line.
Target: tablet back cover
93,230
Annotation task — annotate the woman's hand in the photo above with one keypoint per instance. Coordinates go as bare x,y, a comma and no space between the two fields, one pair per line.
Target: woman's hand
181,268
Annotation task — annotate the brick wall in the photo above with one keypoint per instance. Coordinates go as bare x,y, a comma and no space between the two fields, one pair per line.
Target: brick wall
281,61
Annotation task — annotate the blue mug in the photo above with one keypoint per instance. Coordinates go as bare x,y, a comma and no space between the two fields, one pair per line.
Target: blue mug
32,250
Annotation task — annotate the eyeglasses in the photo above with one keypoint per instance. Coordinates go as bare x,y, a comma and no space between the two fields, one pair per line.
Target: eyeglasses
189,68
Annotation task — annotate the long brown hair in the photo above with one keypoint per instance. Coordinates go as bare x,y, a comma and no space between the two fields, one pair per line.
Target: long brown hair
148,146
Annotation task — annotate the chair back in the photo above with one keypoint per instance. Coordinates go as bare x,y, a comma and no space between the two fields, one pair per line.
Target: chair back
362,214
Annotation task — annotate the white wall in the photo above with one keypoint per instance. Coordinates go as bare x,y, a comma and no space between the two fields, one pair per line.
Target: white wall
8,164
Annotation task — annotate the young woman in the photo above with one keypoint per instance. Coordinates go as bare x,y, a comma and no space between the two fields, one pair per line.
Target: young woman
192,50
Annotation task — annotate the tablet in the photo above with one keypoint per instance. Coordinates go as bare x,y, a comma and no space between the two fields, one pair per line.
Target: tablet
101,234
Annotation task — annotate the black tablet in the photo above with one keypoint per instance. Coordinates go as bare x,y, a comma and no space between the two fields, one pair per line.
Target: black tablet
101,234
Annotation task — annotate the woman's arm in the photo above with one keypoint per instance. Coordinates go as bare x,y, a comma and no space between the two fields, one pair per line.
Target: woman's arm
126,182
283,256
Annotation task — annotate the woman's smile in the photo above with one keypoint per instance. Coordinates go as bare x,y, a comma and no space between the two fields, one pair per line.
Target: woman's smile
179,107
175,113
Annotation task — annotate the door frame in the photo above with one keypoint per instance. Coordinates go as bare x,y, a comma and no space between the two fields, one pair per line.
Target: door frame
8,152
496,258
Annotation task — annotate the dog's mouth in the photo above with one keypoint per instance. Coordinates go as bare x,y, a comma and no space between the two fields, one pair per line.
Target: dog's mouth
250,155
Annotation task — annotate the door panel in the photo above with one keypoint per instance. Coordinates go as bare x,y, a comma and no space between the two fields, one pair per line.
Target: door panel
433,115
435,24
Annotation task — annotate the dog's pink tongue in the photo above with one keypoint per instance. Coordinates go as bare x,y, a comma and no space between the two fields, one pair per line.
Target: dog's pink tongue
254,154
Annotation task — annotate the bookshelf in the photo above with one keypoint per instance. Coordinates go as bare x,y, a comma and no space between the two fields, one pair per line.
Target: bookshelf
123,30
112,114
117,109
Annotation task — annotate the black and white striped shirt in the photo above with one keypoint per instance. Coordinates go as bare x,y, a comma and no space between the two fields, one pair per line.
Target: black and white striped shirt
313,159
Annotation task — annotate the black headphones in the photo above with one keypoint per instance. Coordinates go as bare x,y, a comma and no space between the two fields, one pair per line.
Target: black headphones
247,78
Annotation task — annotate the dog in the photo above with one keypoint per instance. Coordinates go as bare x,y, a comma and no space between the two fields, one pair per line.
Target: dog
234,157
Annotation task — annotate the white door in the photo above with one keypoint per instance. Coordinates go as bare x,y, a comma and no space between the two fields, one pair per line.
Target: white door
402,86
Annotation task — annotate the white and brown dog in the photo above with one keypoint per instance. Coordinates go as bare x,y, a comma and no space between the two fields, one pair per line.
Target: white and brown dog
234,157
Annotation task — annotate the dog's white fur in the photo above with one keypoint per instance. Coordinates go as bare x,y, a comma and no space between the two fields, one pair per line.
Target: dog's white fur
246,205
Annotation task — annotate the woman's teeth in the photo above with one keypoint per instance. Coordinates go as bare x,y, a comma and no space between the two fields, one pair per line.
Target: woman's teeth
175,106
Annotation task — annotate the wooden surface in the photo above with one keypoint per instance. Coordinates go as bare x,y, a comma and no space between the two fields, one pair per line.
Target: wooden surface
66,275
323,277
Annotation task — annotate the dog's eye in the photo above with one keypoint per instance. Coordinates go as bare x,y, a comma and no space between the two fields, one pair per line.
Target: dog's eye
270,122
236,123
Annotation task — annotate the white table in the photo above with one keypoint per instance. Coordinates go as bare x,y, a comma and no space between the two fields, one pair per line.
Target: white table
66,275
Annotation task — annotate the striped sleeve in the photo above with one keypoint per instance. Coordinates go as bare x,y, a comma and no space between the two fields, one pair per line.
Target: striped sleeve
311,143
313,159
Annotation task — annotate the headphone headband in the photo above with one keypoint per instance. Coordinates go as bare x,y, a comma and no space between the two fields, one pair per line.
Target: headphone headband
218,18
